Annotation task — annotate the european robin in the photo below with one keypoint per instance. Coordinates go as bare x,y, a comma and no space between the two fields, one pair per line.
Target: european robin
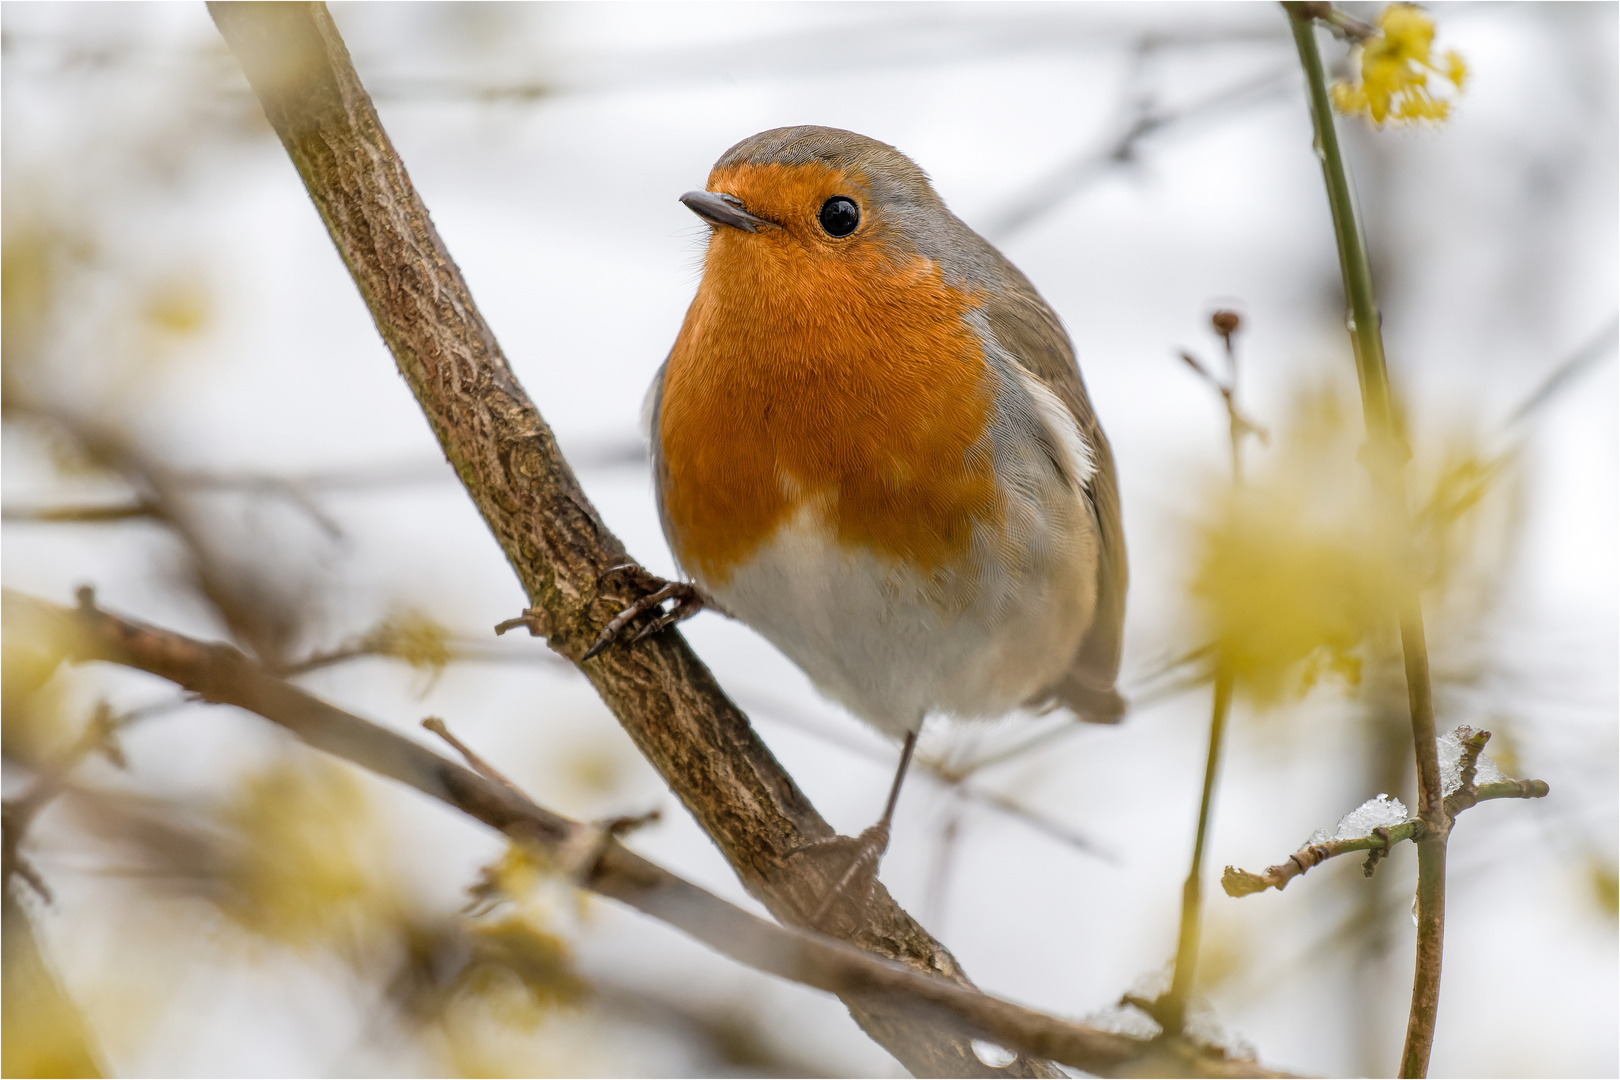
871,443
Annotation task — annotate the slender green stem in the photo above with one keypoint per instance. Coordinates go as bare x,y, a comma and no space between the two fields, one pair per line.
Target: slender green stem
1236,427
1236,436
1386,458
1172,1012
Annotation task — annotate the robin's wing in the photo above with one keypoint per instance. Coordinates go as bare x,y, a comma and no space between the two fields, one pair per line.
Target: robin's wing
655,451
1028,329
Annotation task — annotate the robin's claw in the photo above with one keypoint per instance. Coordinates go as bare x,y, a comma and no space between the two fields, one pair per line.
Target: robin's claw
845,872
863,869
688,602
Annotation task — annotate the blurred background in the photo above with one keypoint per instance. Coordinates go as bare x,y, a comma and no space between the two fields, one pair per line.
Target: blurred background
201,422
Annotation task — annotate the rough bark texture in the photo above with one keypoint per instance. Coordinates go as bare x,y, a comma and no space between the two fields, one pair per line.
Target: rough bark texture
507,458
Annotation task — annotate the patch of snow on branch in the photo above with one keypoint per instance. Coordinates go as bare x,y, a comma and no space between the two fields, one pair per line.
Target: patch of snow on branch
1451,751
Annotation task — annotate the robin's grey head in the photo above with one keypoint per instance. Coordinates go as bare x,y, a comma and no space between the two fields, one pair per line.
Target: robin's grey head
834,189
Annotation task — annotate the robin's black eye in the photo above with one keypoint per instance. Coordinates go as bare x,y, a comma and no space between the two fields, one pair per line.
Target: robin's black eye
840,215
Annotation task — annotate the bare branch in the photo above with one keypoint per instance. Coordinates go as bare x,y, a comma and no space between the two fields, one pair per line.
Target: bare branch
89,514
99,736
474,762
263,611
1380,840
1242,883
224,675
1513,789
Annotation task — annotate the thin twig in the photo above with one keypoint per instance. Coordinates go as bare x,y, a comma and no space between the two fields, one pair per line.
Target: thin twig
1342,25
260,608
1053,190
474,762
1149,689
946,850
52,780
1380,840
1242,883
300,489
1171,1010
88,514
1601,344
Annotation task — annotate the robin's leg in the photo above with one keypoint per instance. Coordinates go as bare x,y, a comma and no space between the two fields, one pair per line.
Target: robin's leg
872,843
687,602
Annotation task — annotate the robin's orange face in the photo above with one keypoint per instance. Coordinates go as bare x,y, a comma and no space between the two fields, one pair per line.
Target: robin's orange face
829,235
794,198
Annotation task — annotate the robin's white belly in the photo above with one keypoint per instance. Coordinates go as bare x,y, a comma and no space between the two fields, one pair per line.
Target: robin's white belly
974,639
893,647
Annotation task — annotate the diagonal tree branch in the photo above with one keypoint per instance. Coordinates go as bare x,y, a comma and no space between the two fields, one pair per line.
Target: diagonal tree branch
508,459
222,674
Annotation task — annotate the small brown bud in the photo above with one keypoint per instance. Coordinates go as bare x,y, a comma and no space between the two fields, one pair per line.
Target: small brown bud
1226,323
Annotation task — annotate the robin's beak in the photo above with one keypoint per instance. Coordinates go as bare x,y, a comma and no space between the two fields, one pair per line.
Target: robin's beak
720,209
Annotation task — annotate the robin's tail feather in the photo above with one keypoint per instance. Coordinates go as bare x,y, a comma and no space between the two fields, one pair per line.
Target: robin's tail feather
1091,702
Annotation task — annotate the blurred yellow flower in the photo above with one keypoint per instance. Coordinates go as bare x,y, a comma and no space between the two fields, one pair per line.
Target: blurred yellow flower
44,1034
1291,573
1395,70
1294,574
307,867
414,637
514,949
1280,587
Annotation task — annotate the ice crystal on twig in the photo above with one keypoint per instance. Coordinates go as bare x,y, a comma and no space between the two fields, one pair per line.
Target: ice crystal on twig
1451,755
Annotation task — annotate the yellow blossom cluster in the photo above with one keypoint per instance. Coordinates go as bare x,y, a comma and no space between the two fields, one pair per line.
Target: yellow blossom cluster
1395,69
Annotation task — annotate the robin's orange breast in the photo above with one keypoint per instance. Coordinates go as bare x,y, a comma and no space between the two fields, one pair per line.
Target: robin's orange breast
849,382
